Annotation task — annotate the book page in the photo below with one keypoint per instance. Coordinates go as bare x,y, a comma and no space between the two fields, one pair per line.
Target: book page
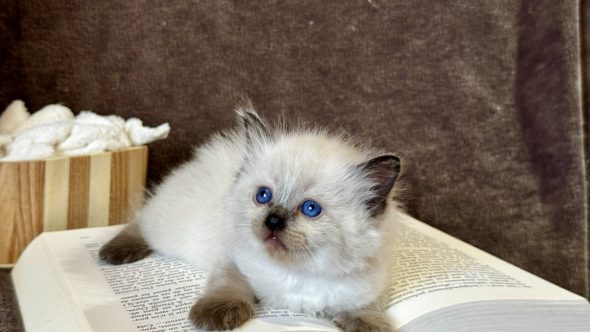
153,294
432,270
43,295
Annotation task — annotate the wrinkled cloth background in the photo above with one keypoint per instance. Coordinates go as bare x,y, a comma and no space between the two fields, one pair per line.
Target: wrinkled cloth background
484,99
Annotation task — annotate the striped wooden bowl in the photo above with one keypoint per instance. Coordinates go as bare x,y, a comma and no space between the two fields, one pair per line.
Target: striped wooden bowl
67,192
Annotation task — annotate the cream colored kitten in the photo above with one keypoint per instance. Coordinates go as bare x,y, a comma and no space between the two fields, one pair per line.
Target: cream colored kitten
294,218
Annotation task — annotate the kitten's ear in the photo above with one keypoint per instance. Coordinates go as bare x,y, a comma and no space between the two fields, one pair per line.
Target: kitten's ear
250,121
383,171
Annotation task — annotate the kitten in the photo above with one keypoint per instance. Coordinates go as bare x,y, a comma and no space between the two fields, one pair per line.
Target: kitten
294,218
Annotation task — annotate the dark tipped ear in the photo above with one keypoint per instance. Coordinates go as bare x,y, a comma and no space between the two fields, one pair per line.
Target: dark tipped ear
250,121
383,170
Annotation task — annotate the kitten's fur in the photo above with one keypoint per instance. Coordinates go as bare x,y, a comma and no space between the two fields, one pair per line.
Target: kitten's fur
334,265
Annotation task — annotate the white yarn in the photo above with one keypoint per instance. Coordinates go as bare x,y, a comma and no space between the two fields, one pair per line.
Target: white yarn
54,131
5,140
46,115
141,135
13,117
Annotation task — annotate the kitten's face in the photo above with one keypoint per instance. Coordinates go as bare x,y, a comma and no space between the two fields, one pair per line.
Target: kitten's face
302,199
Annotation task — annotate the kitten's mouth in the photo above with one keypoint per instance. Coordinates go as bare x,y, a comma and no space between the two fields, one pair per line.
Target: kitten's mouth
273,241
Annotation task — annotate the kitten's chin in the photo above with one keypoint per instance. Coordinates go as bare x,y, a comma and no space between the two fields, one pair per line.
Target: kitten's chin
273,243
278,245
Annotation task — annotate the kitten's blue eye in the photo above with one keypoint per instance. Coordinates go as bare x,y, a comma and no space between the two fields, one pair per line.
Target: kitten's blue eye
263,195
311,208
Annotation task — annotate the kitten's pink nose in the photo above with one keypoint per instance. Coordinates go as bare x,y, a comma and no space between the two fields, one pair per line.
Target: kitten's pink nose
274,222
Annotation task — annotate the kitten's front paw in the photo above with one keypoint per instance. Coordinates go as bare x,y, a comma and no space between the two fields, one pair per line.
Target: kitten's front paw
124,249
362,322
219,313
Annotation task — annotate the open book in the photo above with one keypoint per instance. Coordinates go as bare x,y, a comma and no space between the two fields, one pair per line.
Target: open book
440,284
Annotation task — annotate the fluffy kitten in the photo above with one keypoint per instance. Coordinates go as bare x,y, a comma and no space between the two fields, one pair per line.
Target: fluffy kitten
294,218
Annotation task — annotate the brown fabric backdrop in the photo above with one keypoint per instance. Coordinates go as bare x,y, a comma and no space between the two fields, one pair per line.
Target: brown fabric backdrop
482,97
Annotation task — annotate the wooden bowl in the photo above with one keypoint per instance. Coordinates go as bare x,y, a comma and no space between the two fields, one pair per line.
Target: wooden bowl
67,192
